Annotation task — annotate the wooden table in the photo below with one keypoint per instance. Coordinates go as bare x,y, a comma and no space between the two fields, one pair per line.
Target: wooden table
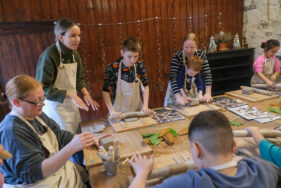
163,154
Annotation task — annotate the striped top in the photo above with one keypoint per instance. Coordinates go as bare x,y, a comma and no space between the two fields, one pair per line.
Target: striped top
177,64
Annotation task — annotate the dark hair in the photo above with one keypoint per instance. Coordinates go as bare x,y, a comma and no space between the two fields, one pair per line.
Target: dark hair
269,44
131,44
62,26
213,131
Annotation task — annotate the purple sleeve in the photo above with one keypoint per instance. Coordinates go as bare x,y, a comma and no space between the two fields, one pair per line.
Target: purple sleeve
258,64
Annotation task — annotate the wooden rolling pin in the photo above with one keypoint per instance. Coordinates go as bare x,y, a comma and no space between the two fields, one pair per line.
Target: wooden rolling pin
265,86
172,169
261,91
5,155
265,133
130,115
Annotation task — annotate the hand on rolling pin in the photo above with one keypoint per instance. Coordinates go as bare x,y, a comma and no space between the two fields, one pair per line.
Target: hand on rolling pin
115,115
255,132
180,99
142,165
77,101
146,110
270,84
83,140
89,101
207,98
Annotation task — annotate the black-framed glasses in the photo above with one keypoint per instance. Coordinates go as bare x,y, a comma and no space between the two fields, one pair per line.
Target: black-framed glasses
34,103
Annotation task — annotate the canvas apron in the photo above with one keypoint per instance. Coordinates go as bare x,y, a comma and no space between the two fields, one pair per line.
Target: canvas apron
65,114
66,176
128,94
170,97
267,71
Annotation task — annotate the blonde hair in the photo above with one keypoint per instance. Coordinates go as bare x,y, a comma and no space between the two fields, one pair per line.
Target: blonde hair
62,26
191,36
20,86
195,63
131,44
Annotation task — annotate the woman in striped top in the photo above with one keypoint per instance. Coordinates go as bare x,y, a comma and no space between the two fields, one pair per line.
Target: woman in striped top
190,49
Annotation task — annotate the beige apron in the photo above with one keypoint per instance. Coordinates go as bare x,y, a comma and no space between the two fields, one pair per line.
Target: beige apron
267,71
65,114
66,176
128,94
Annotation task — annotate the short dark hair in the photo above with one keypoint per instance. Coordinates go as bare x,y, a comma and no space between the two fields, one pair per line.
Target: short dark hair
131,44
213,131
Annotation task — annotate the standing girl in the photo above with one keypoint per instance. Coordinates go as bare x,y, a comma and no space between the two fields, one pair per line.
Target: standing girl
60,71
267,67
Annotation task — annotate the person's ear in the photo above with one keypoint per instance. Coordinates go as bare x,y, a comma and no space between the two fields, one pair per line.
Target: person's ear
60,37
16,102
196,148
234,146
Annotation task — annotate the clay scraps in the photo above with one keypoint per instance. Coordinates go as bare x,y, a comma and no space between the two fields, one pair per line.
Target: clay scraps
226,102
165,115
252,113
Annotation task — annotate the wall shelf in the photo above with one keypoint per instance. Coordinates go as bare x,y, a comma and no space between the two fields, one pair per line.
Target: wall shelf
231,69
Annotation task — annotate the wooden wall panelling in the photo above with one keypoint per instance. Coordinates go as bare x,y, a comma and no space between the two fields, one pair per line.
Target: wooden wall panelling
30,43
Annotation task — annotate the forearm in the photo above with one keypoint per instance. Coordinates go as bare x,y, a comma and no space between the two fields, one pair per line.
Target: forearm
182,92
139,181
55,162
209,90
84,91
107,100
261,75
146,96
275,75
258,137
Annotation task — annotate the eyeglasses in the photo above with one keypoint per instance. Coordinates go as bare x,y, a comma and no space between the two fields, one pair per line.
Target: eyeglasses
34,103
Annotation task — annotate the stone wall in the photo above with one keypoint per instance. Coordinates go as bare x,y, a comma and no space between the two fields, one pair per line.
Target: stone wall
256,25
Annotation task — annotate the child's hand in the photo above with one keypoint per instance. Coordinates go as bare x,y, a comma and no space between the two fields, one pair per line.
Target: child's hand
252,130
142,165
207,98
270,83
115,115
146,110
180,99
188,99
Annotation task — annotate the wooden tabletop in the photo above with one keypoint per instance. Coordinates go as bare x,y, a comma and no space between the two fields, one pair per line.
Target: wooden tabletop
163,154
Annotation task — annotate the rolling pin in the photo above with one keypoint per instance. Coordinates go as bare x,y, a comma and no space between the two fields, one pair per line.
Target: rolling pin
130,115
5,155
265,133
265,86
172,169
261,91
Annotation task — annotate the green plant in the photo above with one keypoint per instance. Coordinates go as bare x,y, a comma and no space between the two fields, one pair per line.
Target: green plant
222,37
